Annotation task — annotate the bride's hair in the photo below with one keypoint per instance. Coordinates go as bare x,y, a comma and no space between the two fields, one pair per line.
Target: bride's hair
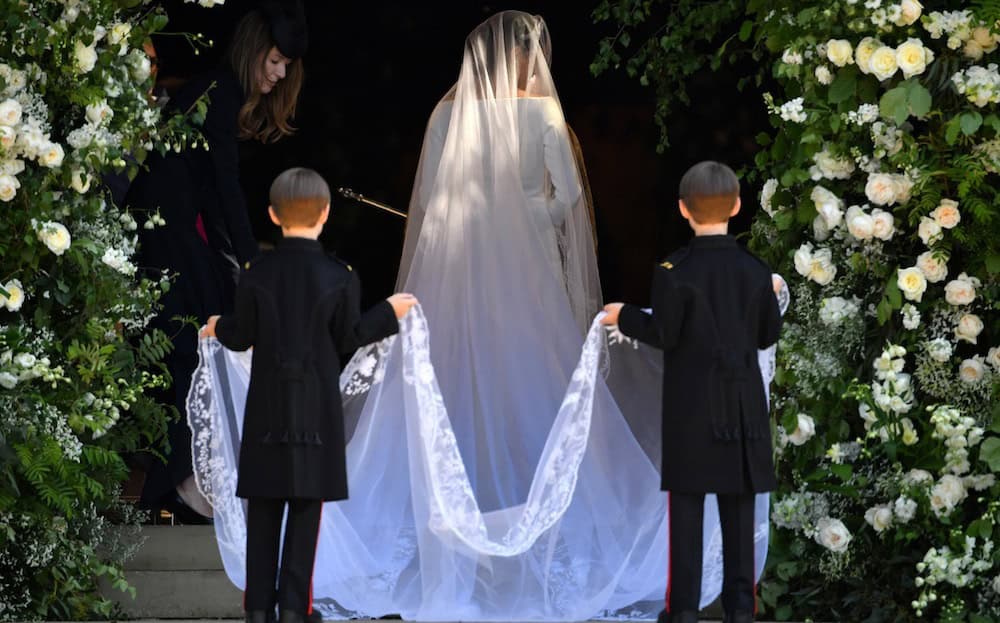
263,117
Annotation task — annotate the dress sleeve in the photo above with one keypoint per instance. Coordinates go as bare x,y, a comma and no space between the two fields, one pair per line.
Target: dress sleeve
352,329
560,163
232,223
238,331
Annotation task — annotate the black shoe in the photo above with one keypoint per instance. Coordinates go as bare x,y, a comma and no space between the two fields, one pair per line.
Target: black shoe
287,616
683,616
663,617
183,514
740,616
260,616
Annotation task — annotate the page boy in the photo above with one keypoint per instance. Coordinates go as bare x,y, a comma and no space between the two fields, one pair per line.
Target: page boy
713,308
299,308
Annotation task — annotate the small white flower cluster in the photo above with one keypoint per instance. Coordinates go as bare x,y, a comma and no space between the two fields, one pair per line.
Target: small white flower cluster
946,494
865,114
800,511
208,4
901,14
816,265
843,452
979,85
792,110
118,260
101,414
892,392
791,57
991,154
828,166
22,137
959,433
974,39
942,566
836,309
21,367
887,139
911,316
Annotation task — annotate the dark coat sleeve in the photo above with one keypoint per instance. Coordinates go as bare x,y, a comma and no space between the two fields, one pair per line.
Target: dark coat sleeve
770,318
238,330
220,129
661,328
352,329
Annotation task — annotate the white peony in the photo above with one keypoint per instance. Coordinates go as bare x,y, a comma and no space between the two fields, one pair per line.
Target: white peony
948,493
909,12
833,534
99,112
904,509
80,181
939,349
804,431
881,189
823,75
971,371
791,57
15,295
51,155
829,206
822,269
883,63
883,224
929,231
911,282
911,317
840,52
85,57
993,357
969,327
912,57
961,291
8,187
803,259
859,224
25,360
879,517
916,477
933,266
835,309
864,51
140,65
10,112
821,231
55,236
8,380
946,214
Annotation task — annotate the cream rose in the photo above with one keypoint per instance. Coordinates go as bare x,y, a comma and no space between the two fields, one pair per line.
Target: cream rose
993,358
51,155
864,51
973,50
879,517
80,181
881,189
912,283
15,295
85,57
986,40
911,58
821,231
948,493
961,291
822,270
883,224
909,12
859,224
932,266
929,231
833,534
99,112
8,187
8,136
969,327
55,236
10,112
119,36
803,259
946,214
840,52
804,430
883,63
971,371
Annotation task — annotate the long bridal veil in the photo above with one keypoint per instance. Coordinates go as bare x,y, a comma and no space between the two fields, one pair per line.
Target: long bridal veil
503,451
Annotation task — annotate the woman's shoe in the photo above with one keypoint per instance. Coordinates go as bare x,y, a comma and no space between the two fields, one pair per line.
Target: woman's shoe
183,514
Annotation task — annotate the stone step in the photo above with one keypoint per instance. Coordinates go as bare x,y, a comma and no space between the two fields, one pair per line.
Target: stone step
177,548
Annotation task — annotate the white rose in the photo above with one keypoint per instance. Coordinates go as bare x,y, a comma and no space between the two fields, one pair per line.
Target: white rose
969,327
859,224
55,236
15,295
119,33
8,380
99,112
828,205
8,187
911,282
929,231
911,58
961,291
821,231
881,189
832,534
883,63
903,187
986,40
864,51
10,112
804,431
993,357
791,57
973,50
11,167
803,259
822,269
948,493
823,75
7,136
25,360
80,181
140,65
904,509
932,266
939,349
879,517
840,52
883,224
51,155
85,57
946,214
909,12
971,371
917,477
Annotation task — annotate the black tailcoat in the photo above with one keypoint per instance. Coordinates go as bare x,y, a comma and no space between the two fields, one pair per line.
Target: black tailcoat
299,308
713,308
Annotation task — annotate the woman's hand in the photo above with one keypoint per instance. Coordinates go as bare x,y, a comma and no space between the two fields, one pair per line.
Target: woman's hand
401,303
209,329
613,310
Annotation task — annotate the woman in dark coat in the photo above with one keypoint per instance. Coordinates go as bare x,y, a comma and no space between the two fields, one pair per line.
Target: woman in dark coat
207,237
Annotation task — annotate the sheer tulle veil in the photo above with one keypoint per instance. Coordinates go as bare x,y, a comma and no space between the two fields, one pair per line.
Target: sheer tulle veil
503,452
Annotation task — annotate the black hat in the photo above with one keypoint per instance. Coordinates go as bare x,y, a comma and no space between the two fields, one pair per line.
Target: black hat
288,26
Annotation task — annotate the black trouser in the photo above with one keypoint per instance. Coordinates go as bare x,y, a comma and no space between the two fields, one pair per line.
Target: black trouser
686,513
293,592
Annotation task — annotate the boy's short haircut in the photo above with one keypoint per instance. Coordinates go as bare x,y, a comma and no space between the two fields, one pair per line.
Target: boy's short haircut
710,189
299,196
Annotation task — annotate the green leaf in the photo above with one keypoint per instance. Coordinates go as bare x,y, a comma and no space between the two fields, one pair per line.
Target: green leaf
993,263
746,30
918,99
951,130
842,471
843,86
970,122
893,294
989,453
893,105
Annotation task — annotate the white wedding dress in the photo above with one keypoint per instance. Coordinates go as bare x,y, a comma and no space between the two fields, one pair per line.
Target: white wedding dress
503,452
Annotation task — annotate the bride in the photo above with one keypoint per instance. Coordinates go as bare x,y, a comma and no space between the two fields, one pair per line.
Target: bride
493,474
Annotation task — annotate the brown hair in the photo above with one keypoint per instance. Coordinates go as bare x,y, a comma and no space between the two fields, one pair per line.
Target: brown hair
299,196
710,189
263,117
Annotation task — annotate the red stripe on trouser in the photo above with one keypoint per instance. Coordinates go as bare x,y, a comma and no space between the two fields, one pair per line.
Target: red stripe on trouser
670,556
309,609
